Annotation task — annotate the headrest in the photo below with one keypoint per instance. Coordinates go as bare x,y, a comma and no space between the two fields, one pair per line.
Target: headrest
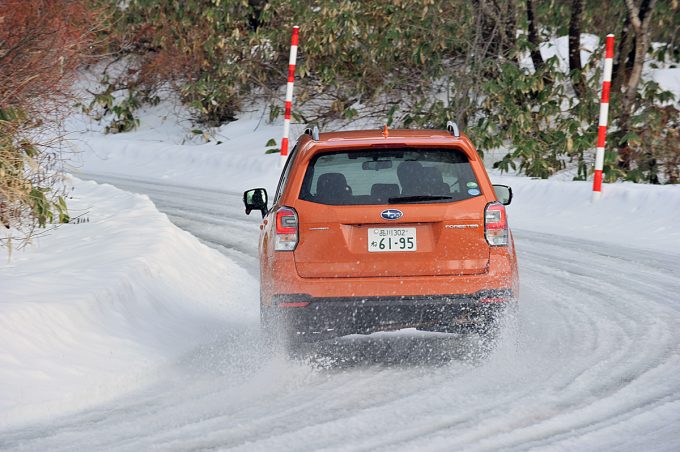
384,191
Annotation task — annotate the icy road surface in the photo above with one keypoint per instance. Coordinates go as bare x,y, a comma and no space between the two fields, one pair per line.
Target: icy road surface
597,366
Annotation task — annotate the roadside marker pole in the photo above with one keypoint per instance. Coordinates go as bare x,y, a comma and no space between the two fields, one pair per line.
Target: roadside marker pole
289,93
604,113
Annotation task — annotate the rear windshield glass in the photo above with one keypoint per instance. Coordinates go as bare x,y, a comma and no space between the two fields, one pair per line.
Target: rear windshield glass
389,176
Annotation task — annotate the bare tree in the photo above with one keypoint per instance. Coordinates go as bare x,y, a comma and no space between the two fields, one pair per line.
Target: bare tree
575,47
536,57
640,21
498,26
624,56
42,43
257,7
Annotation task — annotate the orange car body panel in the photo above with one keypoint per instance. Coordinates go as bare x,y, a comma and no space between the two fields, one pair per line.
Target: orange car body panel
331,258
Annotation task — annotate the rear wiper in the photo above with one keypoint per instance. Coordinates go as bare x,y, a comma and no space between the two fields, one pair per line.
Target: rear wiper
417,198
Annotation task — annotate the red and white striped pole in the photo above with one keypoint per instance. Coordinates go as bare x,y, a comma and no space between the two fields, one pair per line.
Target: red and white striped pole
289,92
604,113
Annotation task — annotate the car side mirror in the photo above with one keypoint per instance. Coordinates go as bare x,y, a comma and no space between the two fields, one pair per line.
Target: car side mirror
503,193
255,199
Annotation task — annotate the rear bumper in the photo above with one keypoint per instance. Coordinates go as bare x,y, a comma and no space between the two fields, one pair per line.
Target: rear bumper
281,278
309,318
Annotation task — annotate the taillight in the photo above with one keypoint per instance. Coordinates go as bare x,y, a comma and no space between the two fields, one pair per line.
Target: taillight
496,224
286,229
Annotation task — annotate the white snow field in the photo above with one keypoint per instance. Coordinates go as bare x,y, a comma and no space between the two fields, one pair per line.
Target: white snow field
126,333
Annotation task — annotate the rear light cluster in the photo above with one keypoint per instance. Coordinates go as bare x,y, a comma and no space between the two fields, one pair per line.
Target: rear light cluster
286,229
496,224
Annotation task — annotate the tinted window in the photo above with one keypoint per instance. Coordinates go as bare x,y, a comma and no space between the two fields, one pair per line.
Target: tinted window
389,176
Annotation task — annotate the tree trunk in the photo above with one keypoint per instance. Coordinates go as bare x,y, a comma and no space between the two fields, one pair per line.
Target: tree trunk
536,57
623,57
510,22
640,20
256,6
490,28
575,48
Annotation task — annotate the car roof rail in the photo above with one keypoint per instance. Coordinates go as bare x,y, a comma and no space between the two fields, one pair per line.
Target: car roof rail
312,132
452,128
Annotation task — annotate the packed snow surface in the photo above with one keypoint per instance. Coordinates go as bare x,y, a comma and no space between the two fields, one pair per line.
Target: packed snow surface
128,333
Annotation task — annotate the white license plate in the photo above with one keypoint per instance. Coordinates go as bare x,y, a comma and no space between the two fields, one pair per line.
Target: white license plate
391,239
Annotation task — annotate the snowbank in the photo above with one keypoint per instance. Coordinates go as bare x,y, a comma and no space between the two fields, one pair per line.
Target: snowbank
92,310
630,215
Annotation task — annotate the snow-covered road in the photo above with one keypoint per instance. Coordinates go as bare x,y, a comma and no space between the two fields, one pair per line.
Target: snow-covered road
595,367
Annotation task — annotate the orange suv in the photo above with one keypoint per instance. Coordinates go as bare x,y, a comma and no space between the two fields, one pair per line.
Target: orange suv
374,230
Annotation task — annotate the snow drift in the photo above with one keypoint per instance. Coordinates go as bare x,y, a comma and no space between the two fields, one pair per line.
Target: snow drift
91,310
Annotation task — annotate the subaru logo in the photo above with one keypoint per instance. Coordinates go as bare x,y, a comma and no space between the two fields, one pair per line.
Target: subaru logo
391,214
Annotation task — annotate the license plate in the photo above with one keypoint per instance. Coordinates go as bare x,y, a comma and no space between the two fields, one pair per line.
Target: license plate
391,239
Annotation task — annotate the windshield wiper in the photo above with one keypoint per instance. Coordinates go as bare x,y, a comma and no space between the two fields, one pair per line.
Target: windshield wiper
417,198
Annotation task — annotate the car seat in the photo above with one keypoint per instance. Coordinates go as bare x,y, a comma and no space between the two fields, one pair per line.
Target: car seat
433,182
381,193
410,175
332,188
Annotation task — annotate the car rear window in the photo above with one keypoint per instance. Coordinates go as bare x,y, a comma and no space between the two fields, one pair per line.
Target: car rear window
389,176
